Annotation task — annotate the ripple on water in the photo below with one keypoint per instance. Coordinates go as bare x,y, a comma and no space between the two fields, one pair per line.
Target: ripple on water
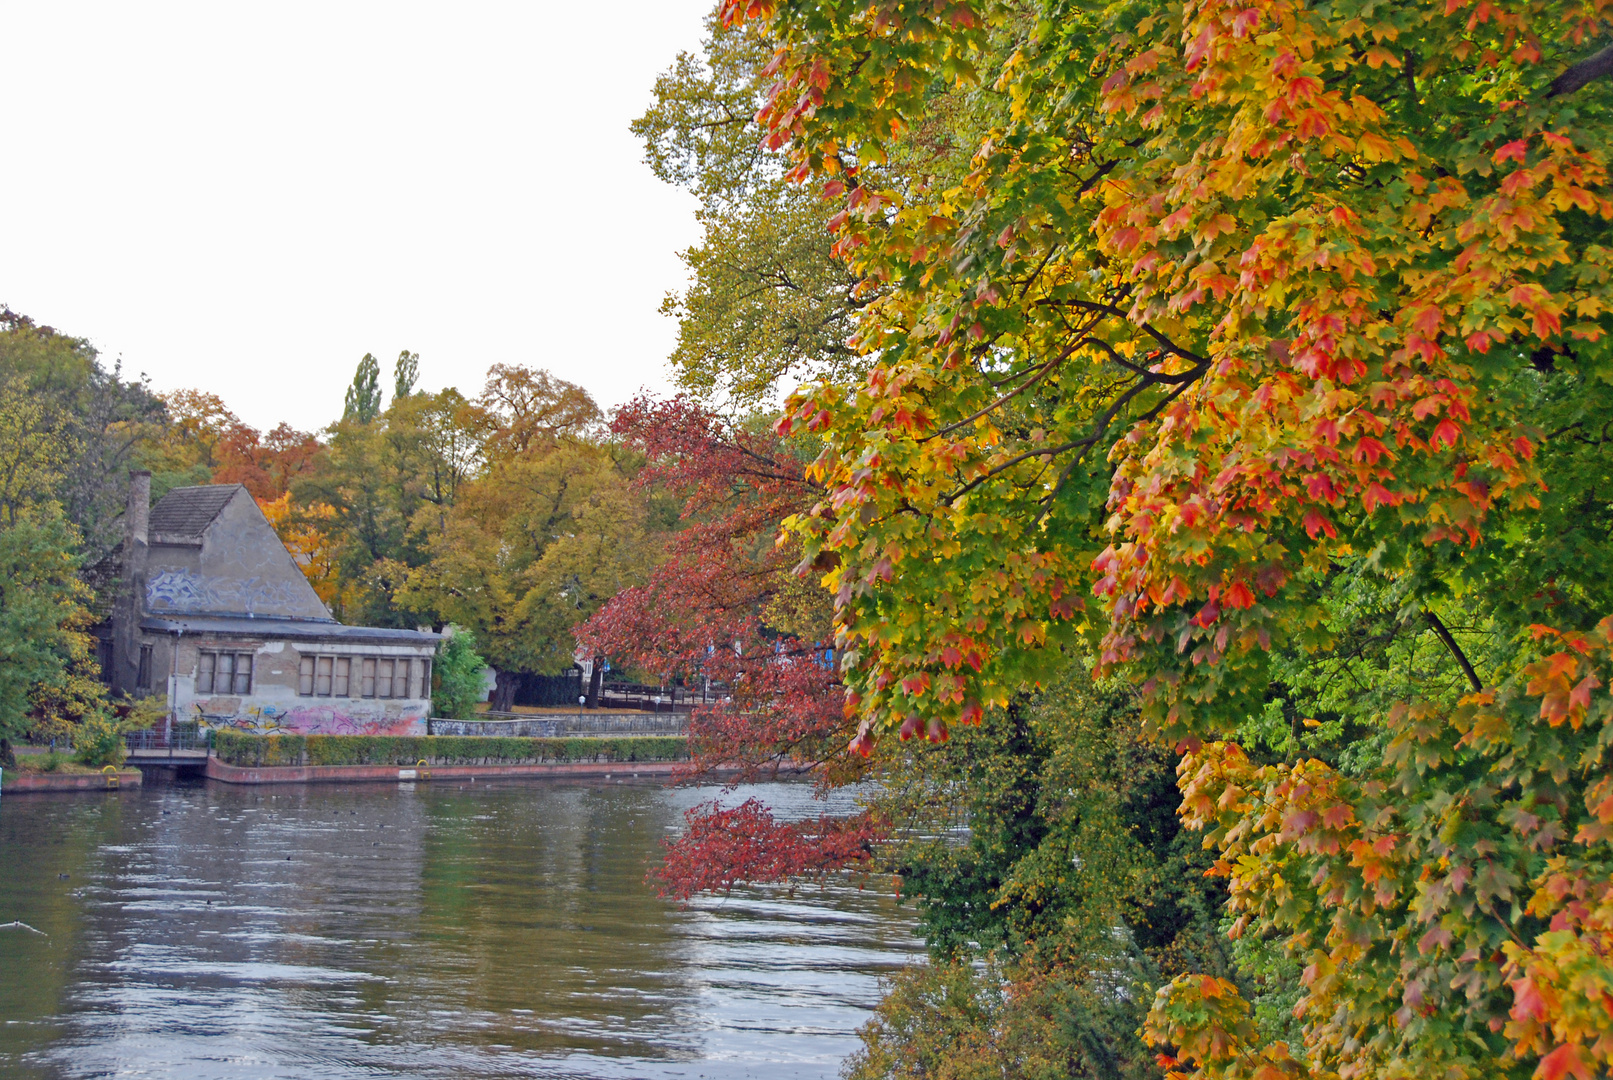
479,931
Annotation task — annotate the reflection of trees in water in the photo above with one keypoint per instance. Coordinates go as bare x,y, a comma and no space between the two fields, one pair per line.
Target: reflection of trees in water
48,847
539,895
444,919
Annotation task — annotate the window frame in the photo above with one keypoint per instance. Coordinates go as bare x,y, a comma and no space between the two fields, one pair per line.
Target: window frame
235,667
373,677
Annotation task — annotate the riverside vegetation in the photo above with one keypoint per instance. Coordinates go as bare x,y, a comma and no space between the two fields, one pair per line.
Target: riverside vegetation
1225,403
238,748
1184,522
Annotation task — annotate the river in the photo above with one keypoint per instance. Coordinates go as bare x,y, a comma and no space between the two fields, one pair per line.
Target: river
201,930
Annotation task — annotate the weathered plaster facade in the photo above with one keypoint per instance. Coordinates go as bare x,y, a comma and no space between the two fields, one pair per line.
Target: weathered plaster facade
216,614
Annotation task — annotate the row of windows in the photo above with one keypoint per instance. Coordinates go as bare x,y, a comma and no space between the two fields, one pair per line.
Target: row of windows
218,672
364,676
318,676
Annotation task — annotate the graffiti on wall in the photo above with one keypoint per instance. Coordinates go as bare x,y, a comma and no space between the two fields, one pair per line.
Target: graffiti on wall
186,590
261,719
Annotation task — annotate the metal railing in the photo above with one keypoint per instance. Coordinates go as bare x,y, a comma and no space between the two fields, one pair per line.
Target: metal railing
173,737
653,698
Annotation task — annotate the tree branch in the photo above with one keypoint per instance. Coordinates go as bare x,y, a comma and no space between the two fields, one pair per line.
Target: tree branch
1045,368
1456,650
1586,71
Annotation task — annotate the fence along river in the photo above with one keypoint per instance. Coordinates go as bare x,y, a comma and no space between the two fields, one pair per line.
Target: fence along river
466,930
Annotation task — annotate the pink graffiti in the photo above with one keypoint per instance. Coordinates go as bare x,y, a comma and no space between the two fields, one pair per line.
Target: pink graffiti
325,720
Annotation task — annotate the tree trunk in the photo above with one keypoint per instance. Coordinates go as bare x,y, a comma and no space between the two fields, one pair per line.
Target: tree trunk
505,684
8,760
594,682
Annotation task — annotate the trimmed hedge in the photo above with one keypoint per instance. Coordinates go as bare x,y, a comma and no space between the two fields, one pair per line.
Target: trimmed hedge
237,748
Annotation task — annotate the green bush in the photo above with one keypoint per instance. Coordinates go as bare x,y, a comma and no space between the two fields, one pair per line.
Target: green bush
98,741
457,675
237,748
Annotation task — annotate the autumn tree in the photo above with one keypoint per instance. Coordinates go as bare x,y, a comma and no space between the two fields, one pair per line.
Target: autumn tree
200,440
528,410
437,443
313,545
529,551
43,617
84,416
723,607
352,498
68,430
767,301
1252,327
518,521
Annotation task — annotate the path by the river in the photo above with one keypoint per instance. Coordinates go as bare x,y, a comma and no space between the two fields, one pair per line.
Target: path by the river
475,930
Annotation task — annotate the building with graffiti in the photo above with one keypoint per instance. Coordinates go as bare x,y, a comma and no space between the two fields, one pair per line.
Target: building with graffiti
215,613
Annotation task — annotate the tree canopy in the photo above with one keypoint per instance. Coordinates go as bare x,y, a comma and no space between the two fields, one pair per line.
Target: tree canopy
1259,353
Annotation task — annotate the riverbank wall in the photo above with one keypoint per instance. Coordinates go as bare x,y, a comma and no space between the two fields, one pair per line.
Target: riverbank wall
563,725
17,782
346,774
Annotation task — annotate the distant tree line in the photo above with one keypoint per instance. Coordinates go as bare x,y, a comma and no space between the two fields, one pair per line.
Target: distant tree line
511,514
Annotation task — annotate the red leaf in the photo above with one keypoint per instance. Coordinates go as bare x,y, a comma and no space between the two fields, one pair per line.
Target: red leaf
1377,495
1315,523
1564,1059
1527,1002
1428,320
1515,150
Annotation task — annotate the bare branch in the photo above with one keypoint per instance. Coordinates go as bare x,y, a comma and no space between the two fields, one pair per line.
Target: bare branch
1456,651
1045,368
1588,70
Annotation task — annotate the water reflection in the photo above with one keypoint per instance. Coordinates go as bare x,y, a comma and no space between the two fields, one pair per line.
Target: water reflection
439,930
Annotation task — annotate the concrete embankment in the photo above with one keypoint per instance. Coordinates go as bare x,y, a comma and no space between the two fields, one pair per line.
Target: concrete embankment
17,782
313,774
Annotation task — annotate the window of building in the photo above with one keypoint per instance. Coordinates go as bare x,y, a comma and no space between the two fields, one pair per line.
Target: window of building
142,673
363,676
223,673
324,676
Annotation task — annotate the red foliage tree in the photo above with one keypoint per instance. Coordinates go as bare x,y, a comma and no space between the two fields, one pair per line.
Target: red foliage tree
266,465
726,606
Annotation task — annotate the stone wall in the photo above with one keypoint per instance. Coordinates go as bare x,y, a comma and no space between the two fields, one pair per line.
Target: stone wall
563,724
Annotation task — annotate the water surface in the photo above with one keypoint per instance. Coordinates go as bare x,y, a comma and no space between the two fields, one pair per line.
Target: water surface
440,929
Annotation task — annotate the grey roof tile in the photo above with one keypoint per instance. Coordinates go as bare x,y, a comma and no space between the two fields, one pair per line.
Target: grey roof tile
188,511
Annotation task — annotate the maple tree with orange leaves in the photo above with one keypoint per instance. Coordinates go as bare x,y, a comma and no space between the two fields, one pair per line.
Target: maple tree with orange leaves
1241,313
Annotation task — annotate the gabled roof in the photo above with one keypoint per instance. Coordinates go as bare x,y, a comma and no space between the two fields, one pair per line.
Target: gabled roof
185,513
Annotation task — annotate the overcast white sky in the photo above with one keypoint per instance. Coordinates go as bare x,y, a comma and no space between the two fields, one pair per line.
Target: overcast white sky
247,198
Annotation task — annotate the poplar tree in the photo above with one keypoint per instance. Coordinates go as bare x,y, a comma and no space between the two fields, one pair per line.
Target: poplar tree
363,401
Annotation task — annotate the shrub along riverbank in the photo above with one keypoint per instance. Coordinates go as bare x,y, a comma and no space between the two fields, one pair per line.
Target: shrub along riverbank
236,748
